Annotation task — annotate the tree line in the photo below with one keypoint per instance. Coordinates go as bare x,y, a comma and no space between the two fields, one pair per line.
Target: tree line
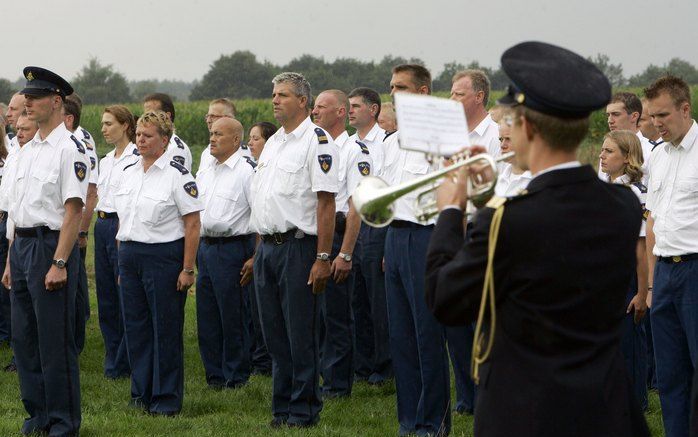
241,75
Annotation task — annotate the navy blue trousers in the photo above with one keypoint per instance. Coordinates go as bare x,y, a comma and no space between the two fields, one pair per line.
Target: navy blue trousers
633,345
289,312
675,336
153,311
82,303
651,367
337,339
370,307
42,337
222,312
261,360
5,305
460,346
111,321
416,338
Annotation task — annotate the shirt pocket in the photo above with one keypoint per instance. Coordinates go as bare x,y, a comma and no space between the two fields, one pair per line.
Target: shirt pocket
288,179
685,207
152,206
222,205
44,190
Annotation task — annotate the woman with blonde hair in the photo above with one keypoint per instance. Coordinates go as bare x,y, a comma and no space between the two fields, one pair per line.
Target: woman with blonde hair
621,161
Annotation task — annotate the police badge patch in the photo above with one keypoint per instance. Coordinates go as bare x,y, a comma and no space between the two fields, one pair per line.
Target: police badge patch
93,163
191,189
179,159
325,162
80,170
364,168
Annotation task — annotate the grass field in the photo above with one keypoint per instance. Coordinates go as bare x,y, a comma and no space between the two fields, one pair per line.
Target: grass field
243,412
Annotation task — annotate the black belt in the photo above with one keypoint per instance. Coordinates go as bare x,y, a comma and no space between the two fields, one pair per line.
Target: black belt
406,224
3,215
34,232
280,238
340,223
678,258
217,240
106,215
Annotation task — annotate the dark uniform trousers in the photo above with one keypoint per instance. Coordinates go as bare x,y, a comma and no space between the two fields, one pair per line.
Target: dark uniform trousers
675,336
222,311
111,321
416,338
43,338
289,312
370,307
337,336
261,360
5,312
153,311
82,302
633,344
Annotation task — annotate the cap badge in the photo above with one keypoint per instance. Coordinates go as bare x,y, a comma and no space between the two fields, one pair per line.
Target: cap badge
30,76
520,98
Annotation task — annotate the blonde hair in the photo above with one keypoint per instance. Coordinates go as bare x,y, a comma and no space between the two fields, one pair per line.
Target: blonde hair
629,145
160,120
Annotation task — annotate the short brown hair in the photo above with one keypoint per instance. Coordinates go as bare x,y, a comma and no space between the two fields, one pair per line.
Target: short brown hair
630,147
420,75
123,116
676,87
160,120
479,80
631,102
165,101
229,105
71,107
559,133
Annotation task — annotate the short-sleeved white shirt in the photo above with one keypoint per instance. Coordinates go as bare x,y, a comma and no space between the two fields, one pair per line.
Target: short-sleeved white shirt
151,204
47,173
91,152
207,160
486,133
672,196
354,163
109,168
11,144
374,141
224,190
179,151
292,169
640,191
510,184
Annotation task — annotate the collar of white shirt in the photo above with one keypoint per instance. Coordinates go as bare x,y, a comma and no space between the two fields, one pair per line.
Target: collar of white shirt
52,138
688,140
162,161
563,166
622,180
232,160
484,124
372,134
341,139
296,133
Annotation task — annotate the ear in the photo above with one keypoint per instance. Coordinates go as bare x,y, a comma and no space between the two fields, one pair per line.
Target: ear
480,97
686,109
423,89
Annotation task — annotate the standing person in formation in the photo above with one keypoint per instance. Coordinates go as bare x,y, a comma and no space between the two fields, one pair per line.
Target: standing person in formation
14,109
369,305
293,209
472,89
387,120
177,149
217,109
119,130
672,200
222,309
46,196
260,132
417,339
156,199
512,179
647,129
5,318
538,344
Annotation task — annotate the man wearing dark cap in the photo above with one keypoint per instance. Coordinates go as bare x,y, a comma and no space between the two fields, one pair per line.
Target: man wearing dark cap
532,266
45,202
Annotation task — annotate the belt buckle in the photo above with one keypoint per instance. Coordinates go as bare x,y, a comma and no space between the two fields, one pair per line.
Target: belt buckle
676,259
102,215
277,239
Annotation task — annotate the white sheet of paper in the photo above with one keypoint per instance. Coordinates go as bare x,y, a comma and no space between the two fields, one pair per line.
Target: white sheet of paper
431,124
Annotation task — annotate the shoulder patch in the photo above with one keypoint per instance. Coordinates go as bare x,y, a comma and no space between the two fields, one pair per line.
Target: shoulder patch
645,212
244,146
10,135
179,159
640,186
179,167
387,134
130,165
325,162
321,136
81,148
93,163
251,162
364,168
85,134
136,152
364,148
80,170
179,142
87,144
191,189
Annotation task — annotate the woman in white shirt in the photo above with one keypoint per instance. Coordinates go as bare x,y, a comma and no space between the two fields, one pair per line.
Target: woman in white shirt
621,161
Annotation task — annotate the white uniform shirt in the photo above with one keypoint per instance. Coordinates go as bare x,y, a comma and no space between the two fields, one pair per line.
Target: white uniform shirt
207,160
354,163
91,152
151,204
510,184
641,193
48,173
179,151
109,171
487,134
374,141
11,144
293,167
225,195
402,165
672,196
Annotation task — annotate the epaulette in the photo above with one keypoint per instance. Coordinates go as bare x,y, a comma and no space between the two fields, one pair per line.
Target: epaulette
81,148
179,159
179,167
496,201
321,136
85,134
136,152
130,165
387,134
640,186
251,162
93,163
364,148
10,135
244,146
87,144
179,142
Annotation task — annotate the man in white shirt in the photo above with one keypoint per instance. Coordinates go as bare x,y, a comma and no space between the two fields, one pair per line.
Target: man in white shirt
647,129
217,109
472,89
14,110
177,149
672,200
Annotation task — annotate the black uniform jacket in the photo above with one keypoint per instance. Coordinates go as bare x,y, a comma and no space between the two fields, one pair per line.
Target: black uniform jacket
564,259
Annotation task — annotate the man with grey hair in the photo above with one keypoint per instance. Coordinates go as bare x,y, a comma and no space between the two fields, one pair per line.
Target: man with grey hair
472,89
293,210
14,110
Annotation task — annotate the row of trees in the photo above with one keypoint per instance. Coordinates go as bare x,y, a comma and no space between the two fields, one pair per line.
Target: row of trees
240,75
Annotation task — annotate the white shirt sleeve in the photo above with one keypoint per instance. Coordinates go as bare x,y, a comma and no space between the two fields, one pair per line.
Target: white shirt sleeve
186,195
74,175
324,165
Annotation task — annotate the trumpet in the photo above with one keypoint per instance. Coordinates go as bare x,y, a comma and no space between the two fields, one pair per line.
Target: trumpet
373,198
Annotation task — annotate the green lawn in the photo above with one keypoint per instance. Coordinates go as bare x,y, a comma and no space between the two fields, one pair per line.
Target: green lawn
246,411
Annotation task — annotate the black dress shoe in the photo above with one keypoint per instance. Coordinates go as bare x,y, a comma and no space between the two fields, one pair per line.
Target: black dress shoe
307,424
12,367
277,422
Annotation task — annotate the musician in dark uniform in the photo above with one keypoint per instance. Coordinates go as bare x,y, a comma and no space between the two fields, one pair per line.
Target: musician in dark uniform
558,260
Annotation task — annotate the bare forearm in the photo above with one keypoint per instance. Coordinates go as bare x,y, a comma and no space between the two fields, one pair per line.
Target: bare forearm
642,275
192,226
351,231
90,205
69,230
325,222
649,247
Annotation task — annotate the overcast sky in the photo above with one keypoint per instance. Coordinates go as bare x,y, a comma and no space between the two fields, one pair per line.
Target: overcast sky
179,40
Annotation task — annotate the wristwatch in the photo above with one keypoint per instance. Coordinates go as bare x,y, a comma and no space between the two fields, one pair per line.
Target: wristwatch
323,256
189,272
345,256
82,234
60,263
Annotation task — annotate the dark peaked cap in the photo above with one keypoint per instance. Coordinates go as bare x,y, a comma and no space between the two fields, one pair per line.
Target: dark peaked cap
553,80
42,82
